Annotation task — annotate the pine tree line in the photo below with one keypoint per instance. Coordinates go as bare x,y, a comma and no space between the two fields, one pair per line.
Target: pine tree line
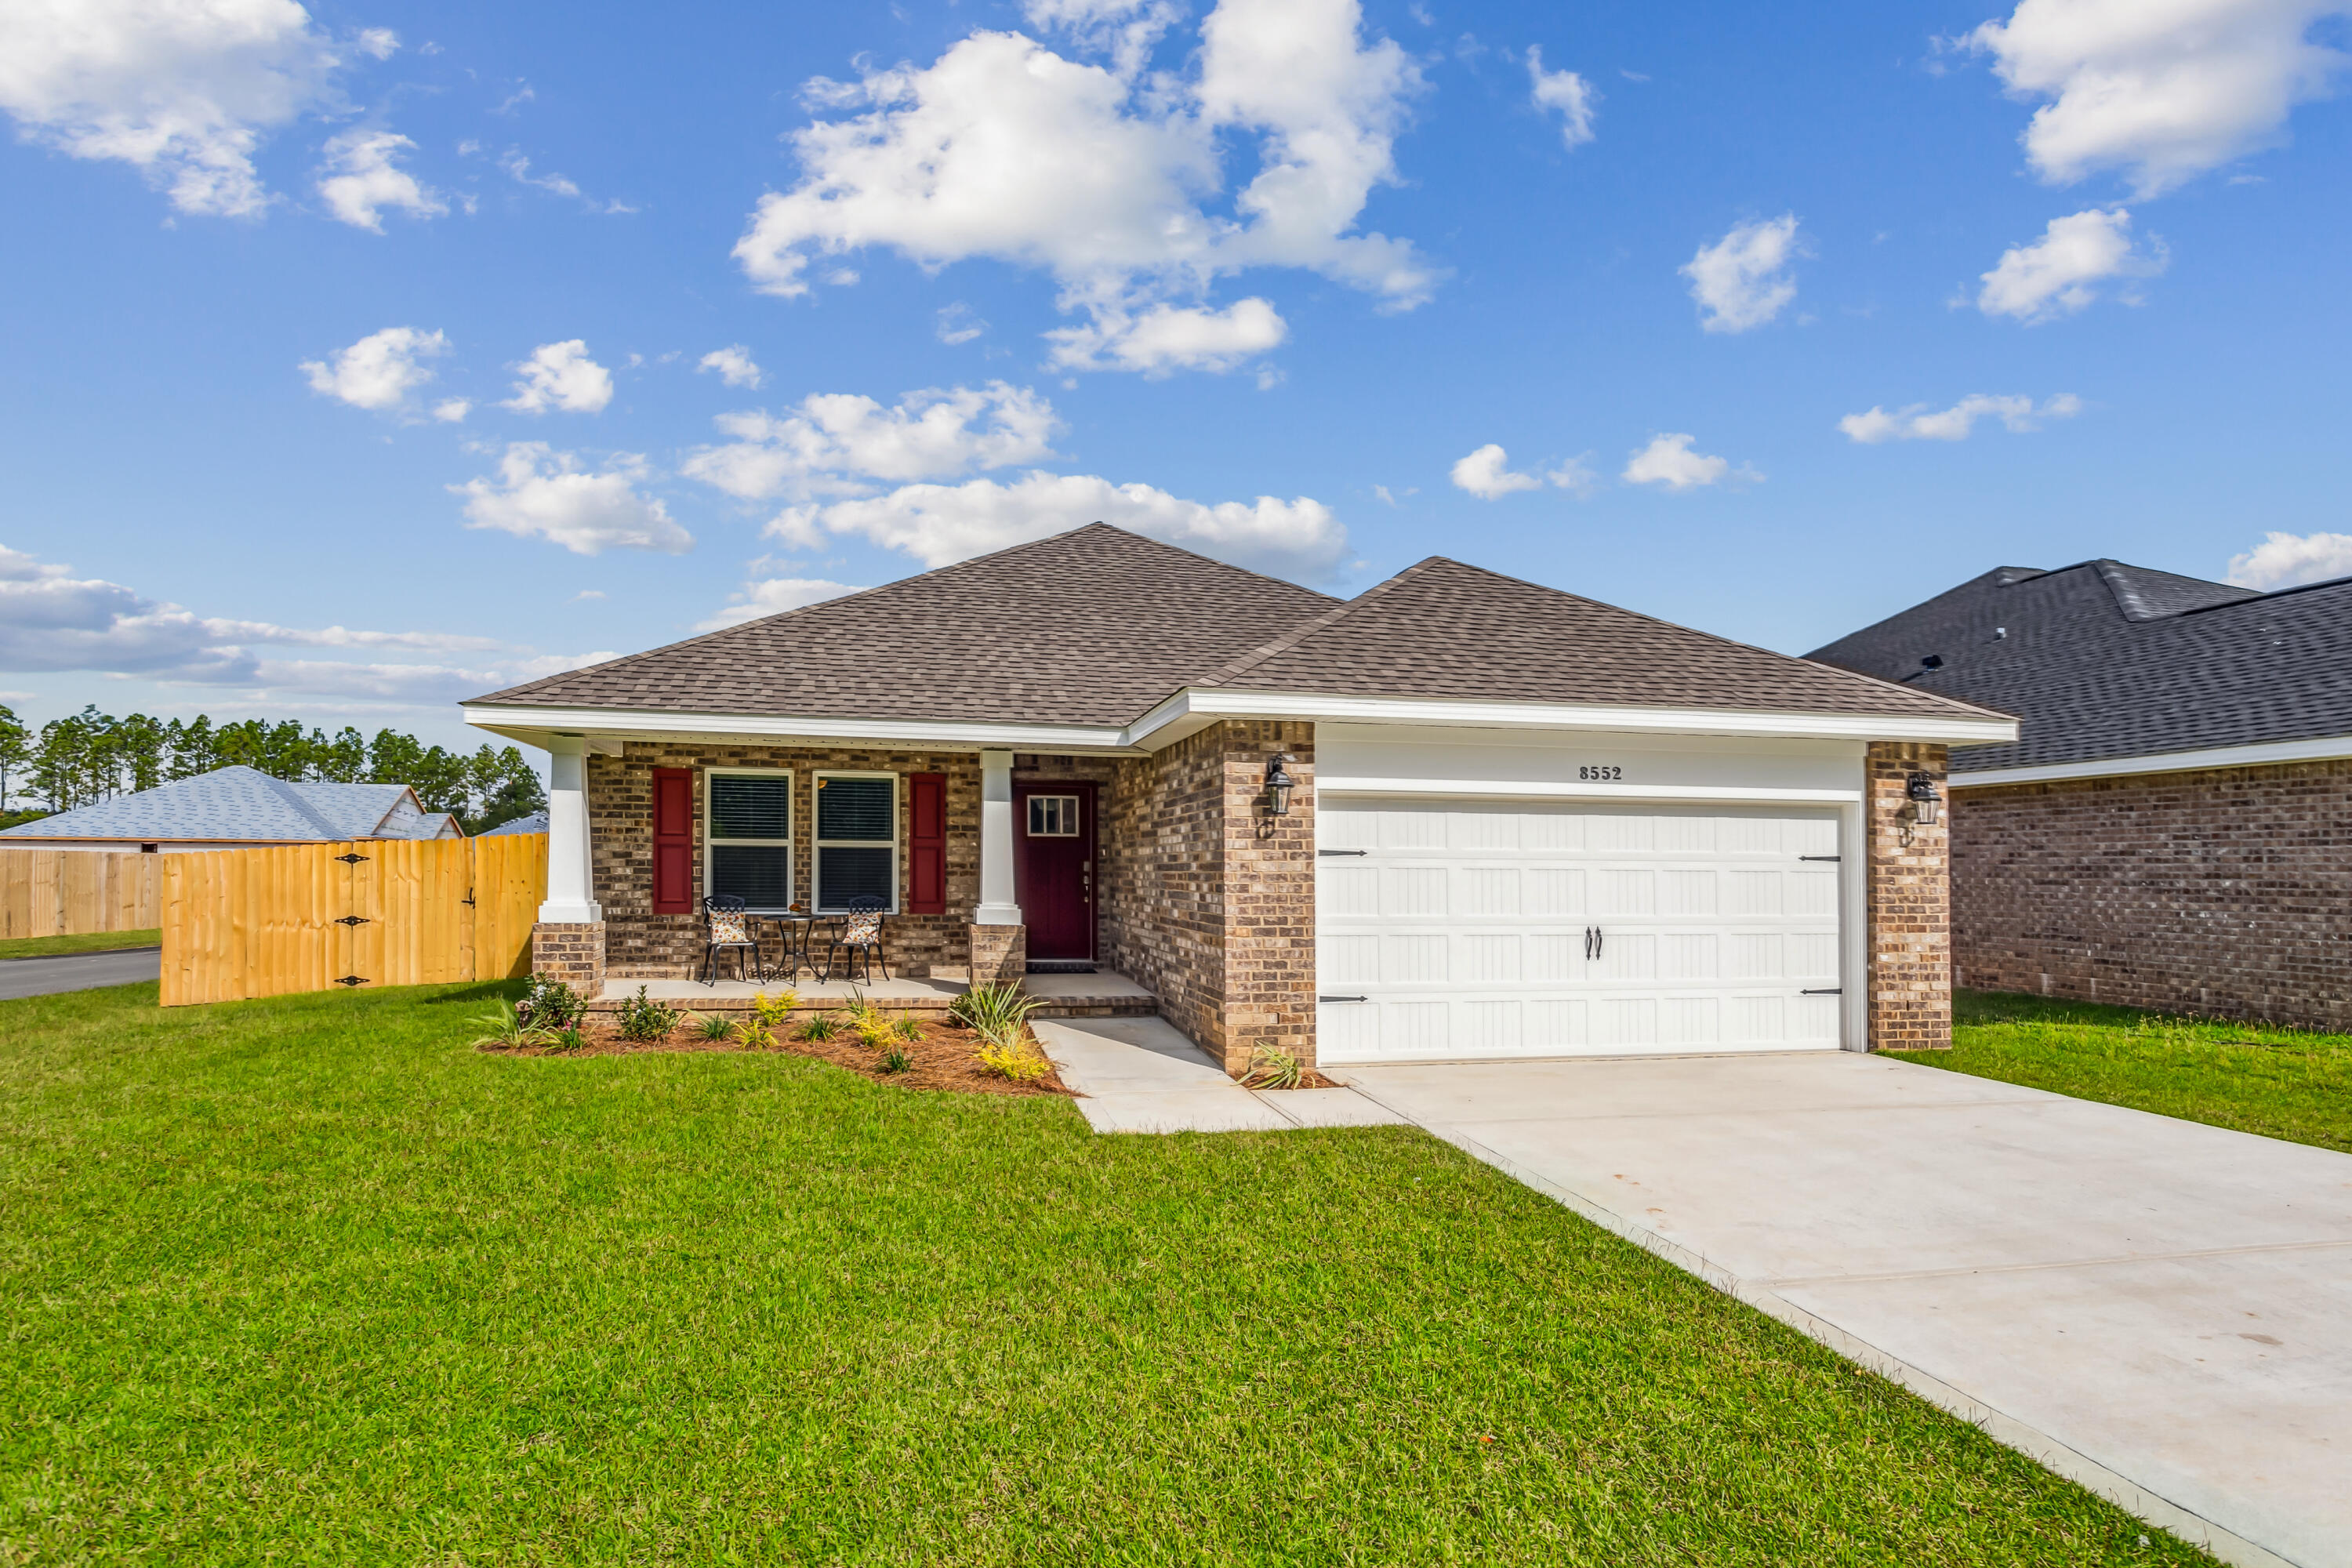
95,756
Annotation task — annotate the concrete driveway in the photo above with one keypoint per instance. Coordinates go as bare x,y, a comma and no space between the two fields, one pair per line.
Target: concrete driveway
78,972
2159,1310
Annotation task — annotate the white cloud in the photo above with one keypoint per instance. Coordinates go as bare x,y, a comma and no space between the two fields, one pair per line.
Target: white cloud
182,91
379,371
1915,423
2061,273
561,375
774,596
544,494
519,168
1566,93
2284,559
937,524
359,181
958,324
733,364
453,410
1483,475
1668,460
381,42
1575,476
1167,338
1742,281
1100,174
2162,90
835,443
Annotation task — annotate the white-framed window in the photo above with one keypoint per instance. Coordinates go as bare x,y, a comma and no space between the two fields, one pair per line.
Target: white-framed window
857,840
747,836
1053,816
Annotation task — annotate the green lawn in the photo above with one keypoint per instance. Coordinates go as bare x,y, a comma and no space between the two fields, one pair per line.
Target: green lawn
88,942
2282,1083
307,1281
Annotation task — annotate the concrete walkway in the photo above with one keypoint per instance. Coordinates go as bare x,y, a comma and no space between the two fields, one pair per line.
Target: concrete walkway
78,972
1138,1075
2159,1310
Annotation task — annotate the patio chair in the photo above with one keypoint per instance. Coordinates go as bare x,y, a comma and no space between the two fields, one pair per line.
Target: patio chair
861,937
728,930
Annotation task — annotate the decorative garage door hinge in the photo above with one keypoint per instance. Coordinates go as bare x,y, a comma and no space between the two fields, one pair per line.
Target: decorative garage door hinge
1821,857
1343,998
351,860
1825,991
352,920
1343,851
351,980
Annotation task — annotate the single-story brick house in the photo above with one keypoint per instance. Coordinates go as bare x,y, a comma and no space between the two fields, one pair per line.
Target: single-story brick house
1522,823
2174,827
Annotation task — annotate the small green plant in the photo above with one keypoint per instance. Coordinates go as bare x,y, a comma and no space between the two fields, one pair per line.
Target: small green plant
507,1029
551,1004
712,1027
754,1036
906,1029
568,1039
999,1012
643,1018
860,1012
773,1011
894,1060
1016,1060
1271,1067
823,1026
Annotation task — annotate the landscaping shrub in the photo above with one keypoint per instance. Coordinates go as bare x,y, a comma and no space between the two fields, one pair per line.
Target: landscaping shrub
1017,1061
506,1028
550,1004
642,1018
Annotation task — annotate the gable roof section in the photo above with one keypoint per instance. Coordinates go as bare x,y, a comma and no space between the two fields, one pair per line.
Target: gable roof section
229,804
1445,630
2104,660
1091,627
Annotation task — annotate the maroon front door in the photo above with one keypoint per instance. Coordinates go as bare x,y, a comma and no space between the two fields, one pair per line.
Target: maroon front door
1054,869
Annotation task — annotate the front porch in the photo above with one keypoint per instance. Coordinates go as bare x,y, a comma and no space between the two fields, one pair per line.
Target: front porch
1101,995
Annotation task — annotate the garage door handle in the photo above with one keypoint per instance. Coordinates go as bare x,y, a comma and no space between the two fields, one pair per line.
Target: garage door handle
1343,998
1594,942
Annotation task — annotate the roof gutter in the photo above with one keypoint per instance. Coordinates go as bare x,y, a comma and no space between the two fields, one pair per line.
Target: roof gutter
2320,749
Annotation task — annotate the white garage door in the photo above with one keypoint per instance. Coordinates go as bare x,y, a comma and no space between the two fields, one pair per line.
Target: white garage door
1468,930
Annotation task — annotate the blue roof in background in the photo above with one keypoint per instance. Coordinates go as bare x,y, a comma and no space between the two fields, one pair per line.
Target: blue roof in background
241,802
535,822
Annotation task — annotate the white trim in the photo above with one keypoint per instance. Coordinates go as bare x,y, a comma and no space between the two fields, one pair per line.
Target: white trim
711,842
2325,748
1854,926
1729,793
935,733
817,843
1192,709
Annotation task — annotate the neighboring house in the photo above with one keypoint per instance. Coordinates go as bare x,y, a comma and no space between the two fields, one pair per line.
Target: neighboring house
2174,827
1522,823
237,808
535,822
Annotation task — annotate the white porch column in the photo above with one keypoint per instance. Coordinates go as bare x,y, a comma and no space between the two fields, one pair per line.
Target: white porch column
571,890
997,906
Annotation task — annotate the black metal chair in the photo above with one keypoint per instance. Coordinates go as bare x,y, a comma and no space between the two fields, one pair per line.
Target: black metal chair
861,937
727,930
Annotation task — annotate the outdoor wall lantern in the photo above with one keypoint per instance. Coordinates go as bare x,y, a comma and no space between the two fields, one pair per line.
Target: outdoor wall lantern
1921,789
1279,785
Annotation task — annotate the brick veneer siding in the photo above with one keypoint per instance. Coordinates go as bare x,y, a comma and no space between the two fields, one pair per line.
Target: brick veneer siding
1000,954
639,943
2226,891
1909,897
573,954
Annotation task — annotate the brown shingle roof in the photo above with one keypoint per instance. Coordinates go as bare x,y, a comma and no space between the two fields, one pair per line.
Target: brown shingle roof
1441,630
1092,626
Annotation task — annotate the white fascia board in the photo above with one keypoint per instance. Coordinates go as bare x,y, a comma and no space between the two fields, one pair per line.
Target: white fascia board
943,734
1492,789
1191,708
2325,748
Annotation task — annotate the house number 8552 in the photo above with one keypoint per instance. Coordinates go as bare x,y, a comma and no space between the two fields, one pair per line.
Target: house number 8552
1592,772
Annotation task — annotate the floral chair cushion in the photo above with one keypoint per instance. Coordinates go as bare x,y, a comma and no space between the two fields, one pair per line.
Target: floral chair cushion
862,930
727,927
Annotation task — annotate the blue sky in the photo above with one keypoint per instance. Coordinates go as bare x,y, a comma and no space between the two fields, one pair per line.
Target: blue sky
1783,319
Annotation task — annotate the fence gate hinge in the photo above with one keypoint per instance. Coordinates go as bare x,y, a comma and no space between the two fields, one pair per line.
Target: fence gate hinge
352,920
351,980
351,860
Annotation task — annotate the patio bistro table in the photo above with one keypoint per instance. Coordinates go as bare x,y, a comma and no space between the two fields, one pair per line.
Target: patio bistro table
794,929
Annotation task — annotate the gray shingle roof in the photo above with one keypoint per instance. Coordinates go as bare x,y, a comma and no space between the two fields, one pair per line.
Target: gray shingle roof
535,822
1092,626
236,803
1444,630
2104,660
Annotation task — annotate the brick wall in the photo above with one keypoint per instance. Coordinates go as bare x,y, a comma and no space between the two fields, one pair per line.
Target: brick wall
573,954
2226,891
1908,884
640,943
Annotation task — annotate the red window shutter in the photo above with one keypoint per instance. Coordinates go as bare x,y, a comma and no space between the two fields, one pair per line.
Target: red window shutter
926,844
673,841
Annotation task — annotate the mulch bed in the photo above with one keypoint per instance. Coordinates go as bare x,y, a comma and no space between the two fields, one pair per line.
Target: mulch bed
945,1058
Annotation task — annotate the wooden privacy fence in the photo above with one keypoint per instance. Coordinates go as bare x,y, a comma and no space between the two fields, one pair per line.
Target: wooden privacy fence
67,892
372,913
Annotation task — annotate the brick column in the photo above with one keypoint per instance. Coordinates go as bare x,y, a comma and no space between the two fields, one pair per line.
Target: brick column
1909,895
1269,886
573,954
1000,954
